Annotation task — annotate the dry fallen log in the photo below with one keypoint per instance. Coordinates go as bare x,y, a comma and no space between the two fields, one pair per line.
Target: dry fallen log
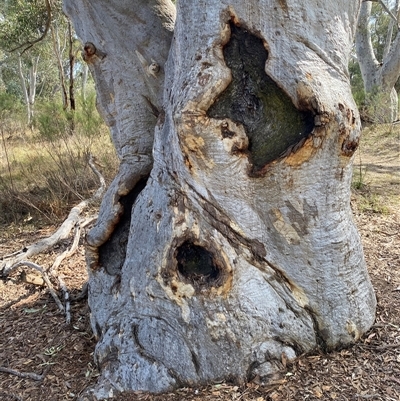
19,259
45,278
73,220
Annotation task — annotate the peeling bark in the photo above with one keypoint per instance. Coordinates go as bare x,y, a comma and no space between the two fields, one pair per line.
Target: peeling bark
236,255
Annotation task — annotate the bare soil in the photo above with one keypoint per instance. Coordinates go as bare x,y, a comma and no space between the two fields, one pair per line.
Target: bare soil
35,339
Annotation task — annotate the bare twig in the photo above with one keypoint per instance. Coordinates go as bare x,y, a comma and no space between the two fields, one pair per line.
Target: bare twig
387,9
18,259
11,255
99,193
24,375
45,278
69,252
66,299
86,222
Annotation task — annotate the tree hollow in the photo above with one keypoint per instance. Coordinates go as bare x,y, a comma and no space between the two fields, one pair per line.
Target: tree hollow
271,121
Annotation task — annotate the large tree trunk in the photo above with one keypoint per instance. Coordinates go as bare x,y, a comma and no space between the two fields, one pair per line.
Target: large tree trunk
379,77
239,249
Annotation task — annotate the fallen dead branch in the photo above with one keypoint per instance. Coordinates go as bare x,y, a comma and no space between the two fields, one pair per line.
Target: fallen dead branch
66,300
69,252
45,278
24,375
20,258
62,233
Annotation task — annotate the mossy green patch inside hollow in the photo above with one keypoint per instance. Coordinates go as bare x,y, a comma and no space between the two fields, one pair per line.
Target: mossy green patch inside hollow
271,120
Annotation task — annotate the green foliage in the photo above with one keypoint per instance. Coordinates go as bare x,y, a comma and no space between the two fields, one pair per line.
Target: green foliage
44,170
10,103
372,203
22,22
359,174
52,121
377,106
374,106
26,21
87,116
379,24
357,85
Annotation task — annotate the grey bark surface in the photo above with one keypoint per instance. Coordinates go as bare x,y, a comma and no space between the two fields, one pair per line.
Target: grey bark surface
379,77
127,46
237,251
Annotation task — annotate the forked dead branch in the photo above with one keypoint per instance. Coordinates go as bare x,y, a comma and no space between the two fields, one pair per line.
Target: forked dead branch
20,258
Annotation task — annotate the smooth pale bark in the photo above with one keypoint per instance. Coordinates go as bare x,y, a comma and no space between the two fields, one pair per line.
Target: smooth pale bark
130,45
58,51
29,92
236,254
379,77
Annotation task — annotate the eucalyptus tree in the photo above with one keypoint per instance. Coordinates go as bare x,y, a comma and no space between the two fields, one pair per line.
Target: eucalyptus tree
24,24
225,244
36,37
378,53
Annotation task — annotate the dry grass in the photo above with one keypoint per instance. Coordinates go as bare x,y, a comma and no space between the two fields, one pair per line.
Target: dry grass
41,175
377,168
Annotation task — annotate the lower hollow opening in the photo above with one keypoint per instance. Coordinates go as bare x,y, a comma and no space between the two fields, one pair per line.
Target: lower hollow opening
196,264
113,252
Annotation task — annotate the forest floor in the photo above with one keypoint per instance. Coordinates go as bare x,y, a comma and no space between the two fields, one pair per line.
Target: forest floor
35,339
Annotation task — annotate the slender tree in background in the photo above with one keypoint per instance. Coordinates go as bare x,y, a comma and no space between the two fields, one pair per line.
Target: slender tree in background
380,64
24,25
28,30
225,244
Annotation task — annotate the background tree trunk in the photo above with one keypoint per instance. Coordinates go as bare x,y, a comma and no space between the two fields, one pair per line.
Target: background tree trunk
379,77
29,92
58,51
240,248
